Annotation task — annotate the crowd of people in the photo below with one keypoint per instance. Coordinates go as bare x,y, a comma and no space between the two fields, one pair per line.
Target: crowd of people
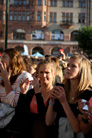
45,98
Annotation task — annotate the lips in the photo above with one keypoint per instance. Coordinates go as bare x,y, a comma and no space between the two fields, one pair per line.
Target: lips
68,73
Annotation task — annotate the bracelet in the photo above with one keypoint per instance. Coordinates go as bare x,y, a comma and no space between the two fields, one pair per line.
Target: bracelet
51,103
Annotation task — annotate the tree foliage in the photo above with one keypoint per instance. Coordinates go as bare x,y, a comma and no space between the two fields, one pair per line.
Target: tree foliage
84,39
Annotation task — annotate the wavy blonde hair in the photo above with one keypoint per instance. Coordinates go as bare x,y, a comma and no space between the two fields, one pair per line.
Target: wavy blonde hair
84,77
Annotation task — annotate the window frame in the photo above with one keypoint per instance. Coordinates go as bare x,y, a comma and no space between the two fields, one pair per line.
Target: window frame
67,17
67,3
81,17
82,3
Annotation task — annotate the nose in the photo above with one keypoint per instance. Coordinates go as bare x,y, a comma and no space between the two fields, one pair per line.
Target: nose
68,67
44,74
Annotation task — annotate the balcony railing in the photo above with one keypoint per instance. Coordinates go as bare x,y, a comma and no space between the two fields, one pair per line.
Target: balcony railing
67,25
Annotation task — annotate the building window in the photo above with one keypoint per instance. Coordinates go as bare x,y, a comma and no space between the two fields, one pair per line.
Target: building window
24,2
19,16
15,2
38,16
74,35
1,2
39,2
37,34
1,15
44,16
55,17
67,18
67,3
53,3
27,16
50,16
19,34
23,16
11,15
57,35
81,17
15,16
19,2
82,3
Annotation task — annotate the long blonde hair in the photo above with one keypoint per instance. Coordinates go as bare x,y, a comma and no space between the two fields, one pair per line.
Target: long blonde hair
84,77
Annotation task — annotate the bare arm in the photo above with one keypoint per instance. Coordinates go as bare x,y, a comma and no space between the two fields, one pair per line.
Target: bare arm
71,117
50,114
59,93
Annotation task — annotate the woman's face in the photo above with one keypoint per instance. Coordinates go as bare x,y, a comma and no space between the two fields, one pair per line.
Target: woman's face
45,74
5,59
72,69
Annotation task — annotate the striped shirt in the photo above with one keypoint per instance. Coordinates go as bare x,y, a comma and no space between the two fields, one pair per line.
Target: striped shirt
13,96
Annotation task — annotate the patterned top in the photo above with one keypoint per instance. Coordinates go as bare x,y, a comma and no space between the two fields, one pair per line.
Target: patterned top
13,96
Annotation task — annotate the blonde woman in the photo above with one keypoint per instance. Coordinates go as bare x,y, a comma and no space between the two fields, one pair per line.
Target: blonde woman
34,103
64,100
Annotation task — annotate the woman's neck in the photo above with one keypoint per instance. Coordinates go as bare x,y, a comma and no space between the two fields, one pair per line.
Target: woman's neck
73,85
45,91
46,88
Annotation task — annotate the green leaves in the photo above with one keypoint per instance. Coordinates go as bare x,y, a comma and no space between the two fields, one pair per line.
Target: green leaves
84,39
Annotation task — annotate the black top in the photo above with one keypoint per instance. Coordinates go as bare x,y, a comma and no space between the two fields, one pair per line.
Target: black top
74,107
28,123
87,94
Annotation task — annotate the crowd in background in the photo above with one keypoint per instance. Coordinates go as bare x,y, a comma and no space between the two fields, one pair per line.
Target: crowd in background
45,97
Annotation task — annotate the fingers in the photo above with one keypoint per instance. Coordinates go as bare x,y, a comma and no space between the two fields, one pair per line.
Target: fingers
4,66
34,82
24,86
1,66
58,92
26,81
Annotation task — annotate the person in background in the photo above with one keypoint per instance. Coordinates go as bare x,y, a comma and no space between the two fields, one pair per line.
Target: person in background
27,61
90,111
31,64
77,85
62,60
34,64
58,69
85,108
61,52
12,73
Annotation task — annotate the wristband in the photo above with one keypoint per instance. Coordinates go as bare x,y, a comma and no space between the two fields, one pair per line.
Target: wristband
51,103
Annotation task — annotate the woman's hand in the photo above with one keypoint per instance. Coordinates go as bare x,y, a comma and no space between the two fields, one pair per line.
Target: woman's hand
81,104
24,86
4,73
35,83
59,93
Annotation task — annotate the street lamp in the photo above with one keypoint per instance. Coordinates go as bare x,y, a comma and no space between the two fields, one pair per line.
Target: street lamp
6,22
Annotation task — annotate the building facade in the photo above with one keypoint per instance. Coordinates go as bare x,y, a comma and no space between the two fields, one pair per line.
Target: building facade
44,25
